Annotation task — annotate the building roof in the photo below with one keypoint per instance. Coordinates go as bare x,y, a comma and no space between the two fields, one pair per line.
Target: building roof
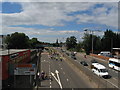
11,51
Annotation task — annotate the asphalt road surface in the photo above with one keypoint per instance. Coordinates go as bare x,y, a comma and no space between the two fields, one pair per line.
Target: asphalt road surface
114,80
60,74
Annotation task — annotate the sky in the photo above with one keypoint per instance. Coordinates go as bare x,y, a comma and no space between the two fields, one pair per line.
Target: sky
49,21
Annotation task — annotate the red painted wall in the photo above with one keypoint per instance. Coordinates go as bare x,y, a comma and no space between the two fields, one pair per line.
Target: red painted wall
5,74
23,57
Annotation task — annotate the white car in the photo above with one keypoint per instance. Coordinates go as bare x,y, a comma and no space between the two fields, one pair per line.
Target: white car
75,52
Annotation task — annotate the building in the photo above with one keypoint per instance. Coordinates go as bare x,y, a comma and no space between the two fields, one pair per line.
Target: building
2,41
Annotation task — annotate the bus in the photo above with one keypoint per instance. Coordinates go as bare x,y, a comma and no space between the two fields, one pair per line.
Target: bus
114,63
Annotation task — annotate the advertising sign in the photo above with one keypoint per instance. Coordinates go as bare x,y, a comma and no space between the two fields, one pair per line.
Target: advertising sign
25,69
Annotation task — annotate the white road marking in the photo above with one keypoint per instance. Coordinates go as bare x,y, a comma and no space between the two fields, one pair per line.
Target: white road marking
54,76
58,80
35,86
50,86
115,79
67,79
112,83
61,68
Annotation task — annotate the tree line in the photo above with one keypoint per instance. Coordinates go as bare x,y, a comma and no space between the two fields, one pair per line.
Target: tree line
109,40
20,41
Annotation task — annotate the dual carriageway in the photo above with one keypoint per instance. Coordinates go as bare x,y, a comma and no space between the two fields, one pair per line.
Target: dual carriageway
69,73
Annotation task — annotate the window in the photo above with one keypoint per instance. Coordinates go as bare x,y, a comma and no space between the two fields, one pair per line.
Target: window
103,70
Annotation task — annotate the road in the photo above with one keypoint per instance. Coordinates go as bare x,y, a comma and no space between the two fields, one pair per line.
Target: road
115,74
61,74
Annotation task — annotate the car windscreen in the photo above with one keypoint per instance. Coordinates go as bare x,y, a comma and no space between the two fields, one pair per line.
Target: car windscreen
103,70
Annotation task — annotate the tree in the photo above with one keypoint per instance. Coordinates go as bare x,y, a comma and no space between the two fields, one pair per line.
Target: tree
107,40
57,44
79,47
17,41
34,42
87,43
110,40
71,42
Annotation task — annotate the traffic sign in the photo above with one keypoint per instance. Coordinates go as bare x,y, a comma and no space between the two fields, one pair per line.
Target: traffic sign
25,69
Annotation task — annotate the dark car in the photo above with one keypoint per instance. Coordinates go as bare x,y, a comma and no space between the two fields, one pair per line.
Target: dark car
67,53
72,54
94,61
84,63
73,57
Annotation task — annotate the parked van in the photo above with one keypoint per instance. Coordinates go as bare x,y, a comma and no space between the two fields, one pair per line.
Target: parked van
105,53
99,69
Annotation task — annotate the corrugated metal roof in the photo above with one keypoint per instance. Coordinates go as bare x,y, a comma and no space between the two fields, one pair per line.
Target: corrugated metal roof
11,51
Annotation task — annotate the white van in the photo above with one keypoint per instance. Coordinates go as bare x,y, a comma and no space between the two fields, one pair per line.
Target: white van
99,69
105,53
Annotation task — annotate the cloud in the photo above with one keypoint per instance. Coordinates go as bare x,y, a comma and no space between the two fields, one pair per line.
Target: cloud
101,15
47,35
59,1
56,14
49,14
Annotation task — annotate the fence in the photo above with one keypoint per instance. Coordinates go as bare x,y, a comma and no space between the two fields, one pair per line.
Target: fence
99,56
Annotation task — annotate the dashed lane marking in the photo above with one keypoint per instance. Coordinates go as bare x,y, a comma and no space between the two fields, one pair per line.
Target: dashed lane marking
35,86
67,79
45,53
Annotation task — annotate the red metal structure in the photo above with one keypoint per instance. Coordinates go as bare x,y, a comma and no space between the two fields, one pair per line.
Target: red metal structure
11,57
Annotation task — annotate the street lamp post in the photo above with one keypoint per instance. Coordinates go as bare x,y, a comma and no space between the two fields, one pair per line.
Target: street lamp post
92,42
91,31
92,37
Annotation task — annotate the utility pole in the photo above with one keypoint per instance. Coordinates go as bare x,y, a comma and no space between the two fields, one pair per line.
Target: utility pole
92,42
91,31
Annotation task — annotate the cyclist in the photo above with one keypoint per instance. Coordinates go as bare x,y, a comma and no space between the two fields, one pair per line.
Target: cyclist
61,58
56,58
43,75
